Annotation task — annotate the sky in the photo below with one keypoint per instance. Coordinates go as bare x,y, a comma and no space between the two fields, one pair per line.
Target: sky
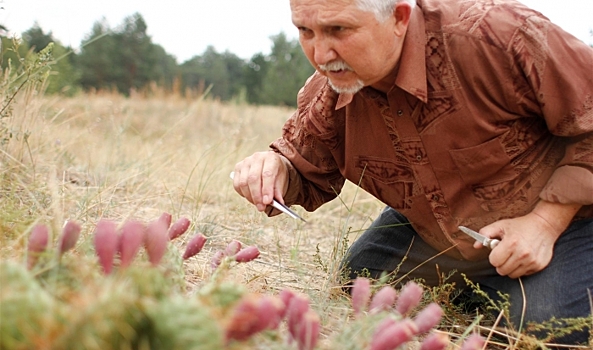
185,28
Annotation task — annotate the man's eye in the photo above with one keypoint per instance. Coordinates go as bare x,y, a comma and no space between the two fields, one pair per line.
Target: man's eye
337,29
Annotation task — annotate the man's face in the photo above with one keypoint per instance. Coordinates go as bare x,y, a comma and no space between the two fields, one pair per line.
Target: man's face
346,44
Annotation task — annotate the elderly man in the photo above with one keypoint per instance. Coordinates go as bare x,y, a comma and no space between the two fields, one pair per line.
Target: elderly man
474,113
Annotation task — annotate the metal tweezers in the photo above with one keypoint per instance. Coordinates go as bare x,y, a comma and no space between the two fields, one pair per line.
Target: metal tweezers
283,208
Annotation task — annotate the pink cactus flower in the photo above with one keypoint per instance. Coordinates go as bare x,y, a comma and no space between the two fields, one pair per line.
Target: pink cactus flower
409,297
178,228
308,331
383,300
166,218
435,341
394,335
106,243
69,237
216,259
156,241
428,318
247,254
194,246
361,294
232,248
38,240
130,241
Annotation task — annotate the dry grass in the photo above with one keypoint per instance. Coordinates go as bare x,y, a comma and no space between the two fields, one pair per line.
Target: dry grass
105,156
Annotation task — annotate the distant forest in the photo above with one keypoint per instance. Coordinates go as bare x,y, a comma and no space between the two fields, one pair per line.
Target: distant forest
125,60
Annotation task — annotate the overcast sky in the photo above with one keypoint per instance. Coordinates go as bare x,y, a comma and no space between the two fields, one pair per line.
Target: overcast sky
184,28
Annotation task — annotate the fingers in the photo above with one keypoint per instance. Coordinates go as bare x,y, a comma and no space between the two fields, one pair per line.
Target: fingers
260,178
268,176
504,257
522,251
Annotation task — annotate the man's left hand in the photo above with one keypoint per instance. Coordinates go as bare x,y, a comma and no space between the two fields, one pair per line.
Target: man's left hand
527,242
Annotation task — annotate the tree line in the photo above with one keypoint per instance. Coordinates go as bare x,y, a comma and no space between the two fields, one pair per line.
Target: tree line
125,59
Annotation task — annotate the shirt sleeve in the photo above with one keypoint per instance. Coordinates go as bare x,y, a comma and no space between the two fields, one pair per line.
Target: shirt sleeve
314,177
559,70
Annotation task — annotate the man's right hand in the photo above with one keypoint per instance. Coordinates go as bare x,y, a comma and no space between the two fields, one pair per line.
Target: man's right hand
262,177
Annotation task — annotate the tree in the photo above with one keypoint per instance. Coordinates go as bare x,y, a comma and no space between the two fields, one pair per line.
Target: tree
125,59
95,61
253,77
36,38
63,76
224,72
287,72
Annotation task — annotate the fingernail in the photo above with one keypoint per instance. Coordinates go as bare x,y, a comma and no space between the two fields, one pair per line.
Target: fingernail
266,199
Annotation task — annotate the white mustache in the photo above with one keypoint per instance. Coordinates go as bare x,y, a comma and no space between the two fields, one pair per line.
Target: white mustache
335,65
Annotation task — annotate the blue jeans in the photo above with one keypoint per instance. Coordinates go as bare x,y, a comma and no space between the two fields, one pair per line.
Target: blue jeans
561,290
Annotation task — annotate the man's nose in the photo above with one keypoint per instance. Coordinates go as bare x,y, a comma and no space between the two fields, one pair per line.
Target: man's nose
324,52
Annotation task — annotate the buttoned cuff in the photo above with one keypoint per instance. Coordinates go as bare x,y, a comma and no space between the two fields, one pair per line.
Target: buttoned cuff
569,185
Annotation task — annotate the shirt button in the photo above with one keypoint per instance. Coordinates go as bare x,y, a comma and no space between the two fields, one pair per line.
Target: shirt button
435,197
419,157
400,112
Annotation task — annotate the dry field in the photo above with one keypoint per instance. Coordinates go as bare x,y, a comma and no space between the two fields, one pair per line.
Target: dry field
103,156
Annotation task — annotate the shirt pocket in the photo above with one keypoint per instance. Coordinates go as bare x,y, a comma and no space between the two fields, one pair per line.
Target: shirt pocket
486,169
391,182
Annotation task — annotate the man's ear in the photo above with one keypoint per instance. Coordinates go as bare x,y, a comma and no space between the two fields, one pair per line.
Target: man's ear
402,14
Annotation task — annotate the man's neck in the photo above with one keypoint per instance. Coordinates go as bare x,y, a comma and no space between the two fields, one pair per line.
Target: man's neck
385,84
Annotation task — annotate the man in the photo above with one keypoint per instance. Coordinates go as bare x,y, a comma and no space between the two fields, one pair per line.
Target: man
476,113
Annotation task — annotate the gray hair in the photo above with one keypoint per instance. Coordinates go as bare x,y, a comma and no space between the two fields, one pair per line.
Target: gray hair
381,8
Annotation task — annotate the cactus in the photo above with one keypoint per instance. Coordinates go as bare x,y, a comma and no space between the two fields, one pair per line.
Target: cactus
144,304
183,323
108,316
26,308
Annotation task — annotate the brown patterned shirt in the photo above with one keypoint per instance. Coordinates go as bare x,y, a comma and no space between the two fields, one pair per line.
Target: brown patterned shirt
491,110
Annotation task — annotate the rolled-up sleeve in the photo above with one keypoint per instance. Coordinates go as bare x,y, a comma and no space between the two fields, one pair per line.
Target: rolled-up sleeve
314,177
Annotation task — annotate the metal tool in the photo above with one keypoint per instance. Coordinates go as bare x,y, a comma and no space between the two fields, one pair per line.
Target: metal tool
283,208
486,242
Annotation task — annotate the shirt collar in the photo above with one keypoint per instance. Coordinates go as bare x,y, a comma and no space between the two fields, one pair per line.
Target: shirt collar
411,76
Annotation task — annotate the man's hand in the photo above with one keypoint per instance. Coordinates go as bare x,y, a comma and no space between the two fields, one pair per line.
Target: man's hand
527,242
261,177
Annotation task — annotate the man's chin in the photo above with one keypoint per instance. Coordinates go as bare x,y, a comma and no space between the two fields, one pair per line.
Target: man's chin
347,89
